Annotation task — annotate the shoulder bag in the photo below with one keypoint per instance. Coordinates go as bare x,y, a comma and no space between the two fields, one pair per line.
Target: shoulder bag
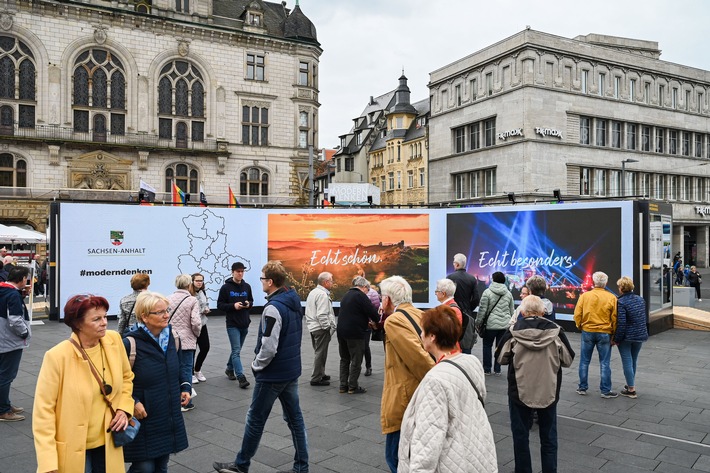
478,393
123,437
481,329
416,327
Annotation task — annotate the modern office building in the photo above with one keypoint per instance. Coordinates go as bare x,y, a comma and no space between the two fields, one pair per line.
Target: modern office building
593,117
96,96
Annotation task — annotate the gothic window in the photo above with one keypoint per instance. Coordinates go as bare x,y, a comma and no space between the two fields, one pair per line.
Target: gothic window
185,176
13,171
99,86
254,181
181,99
17,82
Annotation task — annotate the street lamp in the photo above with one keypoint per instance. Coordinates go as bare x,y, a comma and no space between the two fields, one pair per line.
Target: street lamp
623,174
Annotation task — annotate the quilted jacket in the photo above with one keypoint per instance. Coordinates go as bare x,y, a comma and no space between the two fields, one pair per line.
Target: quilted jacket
631,320
186,320
445,427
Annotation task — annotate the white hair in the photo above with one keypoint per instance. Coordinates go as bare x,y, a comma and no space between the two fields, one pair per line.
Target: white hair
532,305
460,259
323,277
446,286
183,281
359,281
397,289
600,279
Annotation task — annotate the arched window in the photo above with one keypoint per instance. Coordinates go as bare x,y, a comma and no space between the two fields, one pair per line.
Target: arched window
99,90
185,176
181,99
254,181
17,82
13,171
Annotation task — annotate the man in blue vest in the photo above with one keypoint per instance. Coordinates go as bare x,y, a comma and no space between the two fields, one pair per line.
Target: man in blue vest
276,368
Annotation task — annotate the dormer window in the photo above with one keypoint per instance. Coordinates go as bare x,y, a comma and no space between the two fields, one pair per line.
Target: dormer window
254,19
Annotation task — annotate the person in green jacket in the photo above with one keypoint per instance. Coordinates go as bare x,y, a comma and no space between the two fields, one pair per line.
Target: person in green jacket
494,314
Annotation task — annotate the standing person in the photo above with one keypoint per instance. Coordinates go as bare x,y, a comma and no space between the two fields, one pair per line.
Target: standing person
203,340
8,263
235,298
72,423
406,360
276,368
14,338
694,280
37,283
446,420
186,321
320,321
466,295
595,316
537,285
496,310
160,387
127,314
535,350
356,311
444,293
374,297
678,270
631,332
524,292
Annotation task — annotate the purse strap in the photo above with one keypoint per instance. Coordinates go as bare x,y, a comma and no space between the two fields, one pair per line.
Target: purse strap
488,313
96,375
416,327
176,308
478,393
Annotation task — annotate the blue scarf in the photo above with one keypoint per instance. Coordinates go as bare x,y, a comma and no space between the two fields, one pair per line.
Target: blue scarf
162,339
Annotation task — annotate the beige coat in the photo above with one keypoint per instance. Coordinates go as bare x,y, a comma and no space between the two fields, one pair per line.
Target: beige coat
406,363
62,404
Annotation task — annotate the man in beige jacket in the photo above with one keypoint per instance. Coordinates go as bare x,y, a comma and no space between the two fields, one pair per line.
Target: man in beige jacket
406,361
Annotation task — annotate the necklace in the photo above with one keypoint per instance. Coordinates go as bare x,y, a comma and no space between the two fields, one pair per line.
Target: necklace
107,388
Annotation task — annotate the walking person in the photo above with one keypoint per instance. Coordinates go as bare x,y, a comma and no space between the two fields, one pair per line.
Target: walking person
186,321
595,315
694,280
496,310
320,321
203,339
235,299
535,350
631,332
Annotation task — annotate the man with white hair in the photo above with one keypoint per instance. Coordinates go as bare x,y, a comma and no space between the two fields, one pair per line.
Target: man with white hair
407,360
320,320
466,295
595,316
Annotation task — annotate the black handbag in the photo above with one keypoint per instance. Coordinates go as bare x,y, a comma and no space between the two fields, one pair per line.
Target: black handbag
481,329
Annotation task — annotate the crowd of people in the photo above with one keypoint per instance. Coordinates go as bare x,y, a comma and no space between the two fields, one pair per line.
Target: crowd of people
99,383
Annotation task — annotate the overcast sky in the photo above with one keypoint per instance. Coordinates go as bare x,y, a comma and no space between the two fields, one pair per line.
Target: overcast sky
366,43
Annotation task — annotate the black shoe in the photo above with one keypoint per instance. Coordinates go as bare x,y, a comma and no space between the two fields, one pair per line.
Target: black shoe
243,383
230,374
357,390
368,372
343,389
320,383
325,378
226,467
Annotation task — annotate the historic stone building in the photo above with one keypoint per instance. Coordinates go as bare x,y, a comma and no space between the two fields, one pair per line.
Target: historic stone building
387,147
96,96
594,117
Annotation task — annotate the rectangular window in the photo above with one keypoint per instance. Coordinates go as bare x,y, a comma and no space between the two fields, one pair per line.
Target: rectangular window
585,80
382,183
165,128
686,190
632,90
661,95
475,184
198,131
489,83
255,67
584,124
584,180
647,92
616,134
673,141
700,102
475,135
698,145
410,179
474,89
599,182
614,183
27,116
490,177
349,163
686,143
687,100
422,181
645,184
631,136
118,124
658,187
673,188
698,191
602,84
600,132
460,139
81,121
303,73
674,98
302,138
660,139
399,179
617,86
457,90
461,186
391,180
255,126
490,126
629,183
645,138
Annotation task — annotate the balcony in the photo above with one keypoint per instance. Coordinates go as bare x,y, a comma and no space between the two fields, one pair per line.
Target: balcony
55,133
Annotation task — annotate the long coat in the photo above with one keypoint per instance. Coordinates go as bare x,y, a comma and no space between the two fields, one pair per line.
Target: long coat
62,404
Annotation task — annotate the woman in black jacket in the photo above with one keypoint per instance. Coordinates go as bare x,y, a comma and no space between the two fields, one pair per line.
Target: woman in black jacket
631,331
158,387
694,280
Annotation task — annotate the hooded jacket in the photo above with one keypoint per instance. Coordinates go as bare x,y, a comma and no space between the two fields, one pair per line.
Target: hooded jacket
500,310
14,320
230,293
535,350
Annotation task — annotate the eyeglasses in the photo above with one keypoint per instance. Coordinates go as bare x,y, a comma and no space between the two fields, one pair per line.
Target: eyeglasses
265,279
199,280
160,312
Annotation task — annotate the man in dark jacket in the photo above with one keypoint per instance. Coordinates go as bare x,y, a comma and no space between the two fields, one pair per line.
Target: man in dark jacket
466,295
535,350
355,311
14,337
276,368
235,298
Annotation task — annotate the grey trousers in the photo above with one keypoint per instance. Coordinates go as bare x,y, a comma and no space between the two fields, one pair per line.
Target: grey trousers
321,340
350,361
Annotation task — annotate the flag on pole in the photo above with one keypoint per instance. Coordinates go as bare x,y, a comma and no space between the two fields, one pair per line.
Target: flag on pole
178,196
233,202
203,199
146,192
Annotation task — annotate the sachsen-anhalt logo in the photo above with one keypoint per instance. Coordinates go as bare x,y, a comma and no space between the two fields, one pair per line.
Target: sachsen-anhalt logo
116,237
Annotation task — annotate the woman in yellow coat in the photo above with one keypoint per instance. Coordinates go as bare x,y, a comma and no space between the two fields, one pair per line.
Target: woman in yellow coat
71,421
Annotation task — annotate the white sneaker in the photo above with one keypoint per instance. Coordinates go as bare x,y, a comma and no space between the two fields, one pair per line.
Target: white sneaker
200,377
700,300
195,380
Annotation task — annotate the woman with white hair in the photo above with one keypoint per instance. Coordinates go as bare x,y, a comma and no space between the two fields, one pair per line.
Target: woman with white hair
186,321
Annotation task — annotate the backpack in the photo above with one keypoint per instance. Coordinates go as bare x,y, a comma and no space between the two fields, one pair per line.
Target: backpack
468,333
132,344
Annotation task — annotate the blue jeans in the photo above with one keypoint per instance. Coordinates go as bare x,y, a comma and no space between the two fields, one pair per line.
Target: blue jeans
236,340
392,450
520,424
262,400
155,465
9,364
95,460
603,343
629,352
186,359
489,336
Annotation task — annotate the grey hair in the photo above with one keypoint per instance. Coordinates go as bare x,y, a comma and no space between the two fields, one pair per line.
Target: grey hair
359,281
323,277
532,305
447,286
183,281
600,279
397,289
460,259
536,285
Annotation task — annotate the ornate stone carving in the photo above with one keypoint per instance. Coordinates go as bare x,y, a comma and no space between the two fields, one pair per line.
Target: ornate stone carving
183,47
6,20
143,160
99,170
53,155
101,34
221,163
